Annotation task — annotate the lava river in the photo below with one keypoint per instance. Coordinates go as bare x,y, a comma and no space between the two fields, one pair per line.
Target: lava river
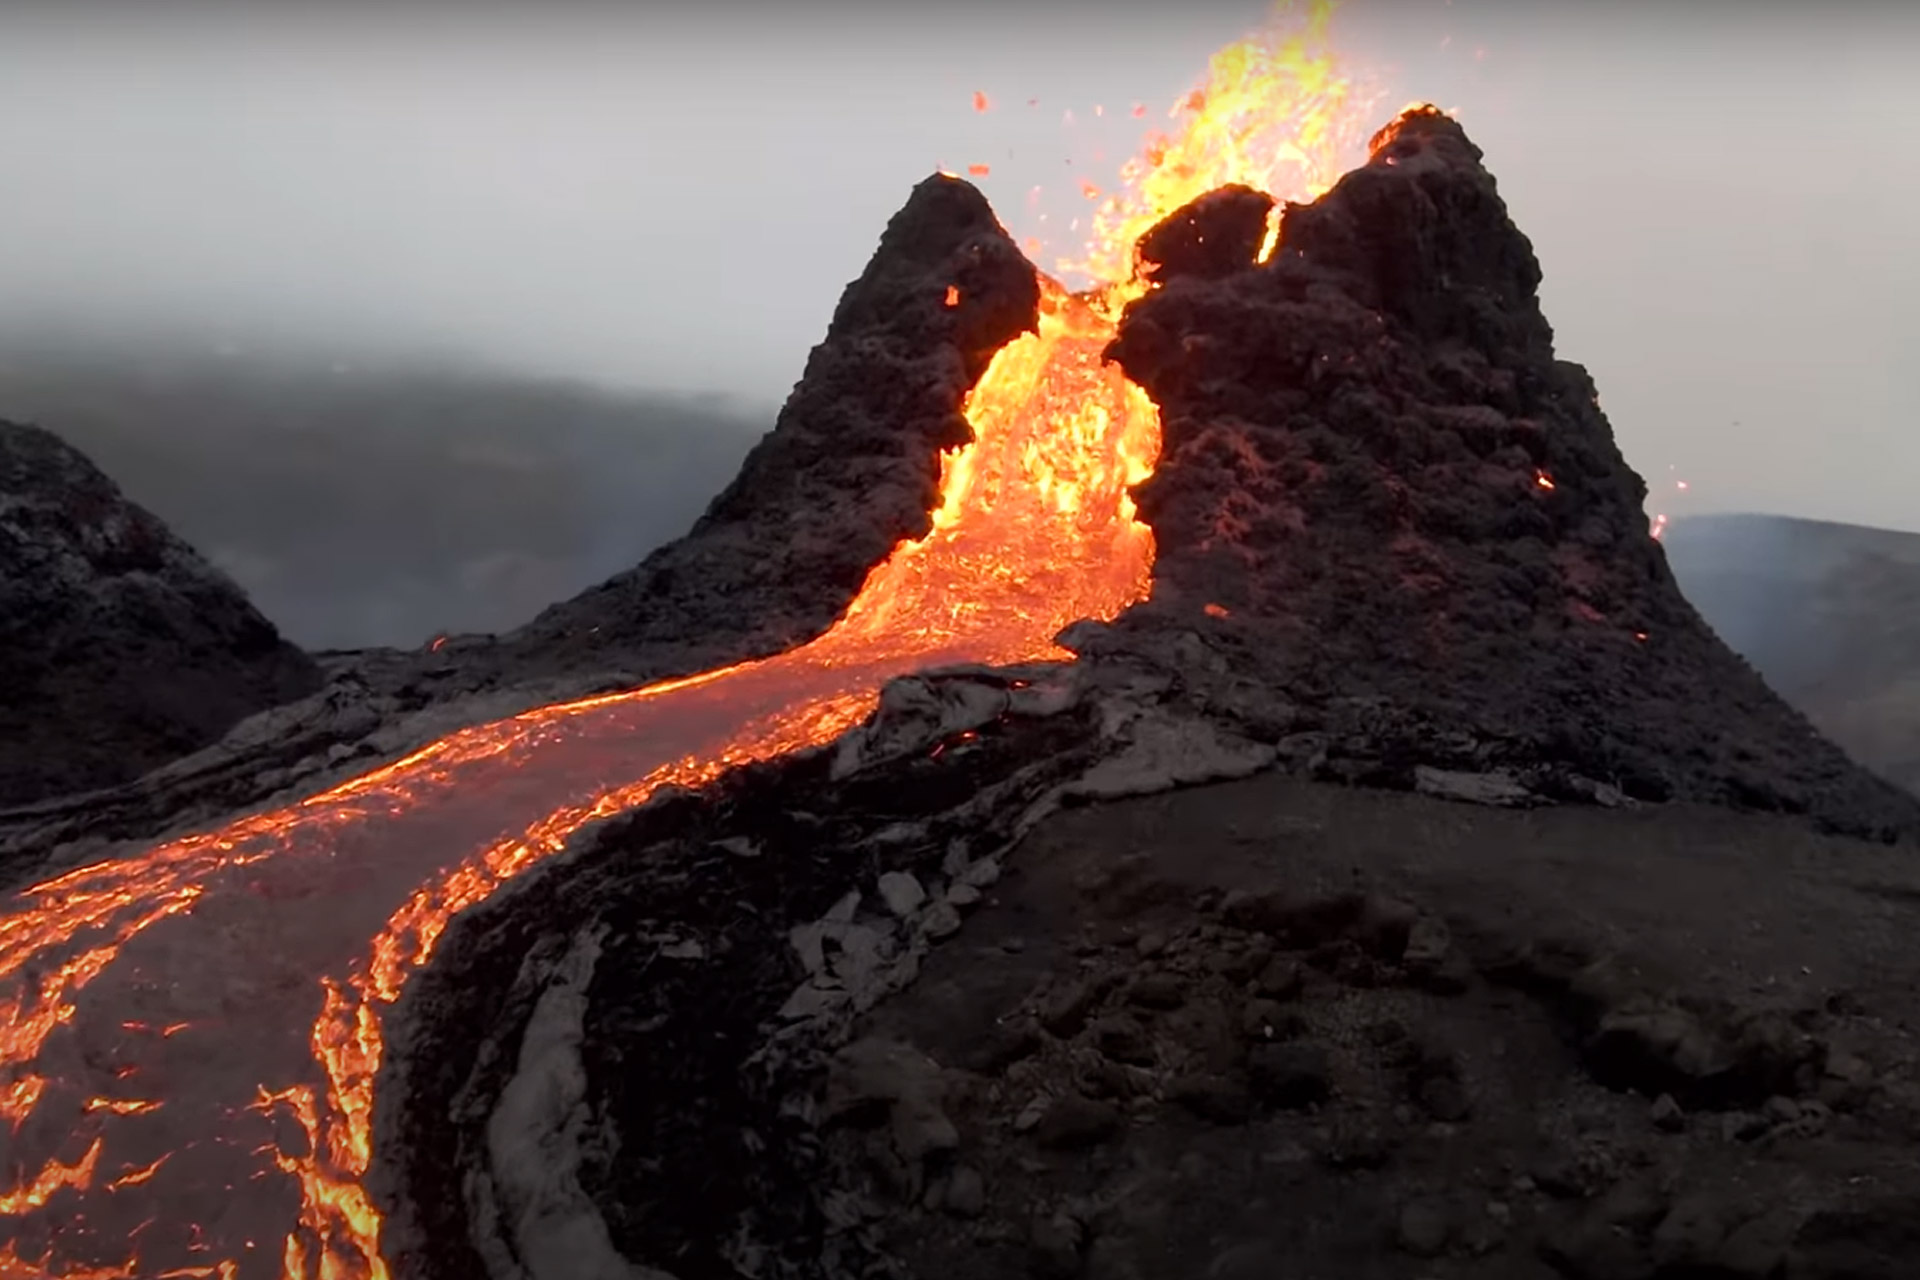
190,1034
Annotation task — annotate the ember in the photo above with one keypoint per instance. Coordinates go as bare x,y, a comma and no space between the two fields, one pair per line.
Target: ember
1034,530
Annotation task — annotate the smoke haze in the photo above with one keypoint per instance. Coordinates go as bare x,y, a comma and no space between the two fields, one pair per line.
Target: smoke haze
648,202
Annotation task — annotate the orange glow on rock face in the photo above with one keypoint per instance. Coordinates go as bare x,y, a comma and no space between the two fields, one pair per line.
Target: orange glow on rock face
258,960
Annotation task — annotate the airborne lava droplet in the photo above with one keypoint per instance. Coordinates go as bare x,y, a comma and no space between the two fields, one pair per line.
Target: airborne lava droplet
953,295
980,102
979,170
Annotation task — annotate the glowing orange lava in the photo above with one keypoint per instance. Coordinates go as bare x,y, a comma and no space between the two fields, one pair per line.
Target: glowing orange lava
171,1072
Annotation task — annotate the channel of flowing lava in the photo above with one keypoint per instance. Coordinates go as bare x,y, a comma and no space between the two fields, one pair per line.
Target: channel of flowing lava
1034,530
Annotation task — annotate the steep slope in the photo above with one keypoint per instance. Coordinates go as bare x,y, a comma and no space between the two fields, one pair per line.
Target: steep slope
1411,514
1829,613
850,468
121,648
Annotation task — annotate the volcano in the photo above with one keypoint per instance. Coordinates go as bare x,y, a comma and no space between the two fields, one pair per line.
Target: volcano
601,987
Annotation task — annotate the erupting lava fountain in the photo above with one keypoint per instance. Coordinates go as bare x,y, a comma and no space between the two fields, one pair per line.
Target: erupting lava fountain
190,1035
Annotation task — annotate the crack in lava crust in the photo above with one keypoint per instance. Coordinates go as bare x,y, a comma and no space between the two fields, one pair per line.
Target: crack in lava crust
174,1078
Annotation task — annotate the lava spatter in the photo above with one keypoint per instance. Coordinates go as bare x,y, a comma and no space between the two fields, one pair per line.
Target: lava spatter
231,1137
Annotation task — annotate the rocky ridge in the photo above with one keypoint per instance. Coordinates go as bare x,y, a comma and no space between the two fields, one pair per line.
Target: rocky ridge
1391,496
122,648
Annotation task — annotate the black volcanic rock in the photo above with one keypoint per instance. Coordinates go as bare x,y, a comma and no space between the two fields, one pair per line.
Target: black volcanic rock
1405,503
850,468
120,648
1216,235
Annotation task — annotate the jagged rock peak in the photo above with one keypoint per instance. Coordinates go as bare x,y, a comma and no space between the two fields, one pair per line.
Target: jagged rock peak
1215,235
1420,232
850,468
121,647
1374,465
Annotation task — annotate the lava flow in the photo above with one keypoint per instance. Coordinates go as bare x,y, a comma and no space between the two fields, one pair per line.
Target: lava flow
190,1035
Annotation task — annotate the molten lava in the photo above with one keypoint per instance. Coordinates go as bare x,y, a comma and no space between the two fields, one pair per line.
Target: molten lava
190,1036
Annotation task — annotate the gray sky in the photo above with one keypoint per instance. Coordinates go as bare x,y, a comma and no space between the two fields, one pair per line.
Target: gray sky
673,196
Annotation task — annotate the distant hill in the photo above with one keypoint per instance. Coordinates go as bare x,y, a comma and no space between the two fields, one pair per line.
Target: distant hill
120,647
362,506
1829,613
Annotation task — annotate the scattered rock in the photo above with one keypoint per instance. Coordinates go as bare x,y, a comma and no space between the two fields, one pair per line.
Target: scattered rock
1006,1044
1358,1140
1248,1260
1691,1234
901,892
1444,1098
1428,942
1057,1241
1264,1020
1780,1111
1280,979
1497,789
1386,925
1073,1122
906,1082
1424,1227
1123,1039
1219,1099
1757,1248
966,1194
1158,991
1876,1239
981,874
1066,1008
1432,961
1667,1115
941,920
1290,1075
